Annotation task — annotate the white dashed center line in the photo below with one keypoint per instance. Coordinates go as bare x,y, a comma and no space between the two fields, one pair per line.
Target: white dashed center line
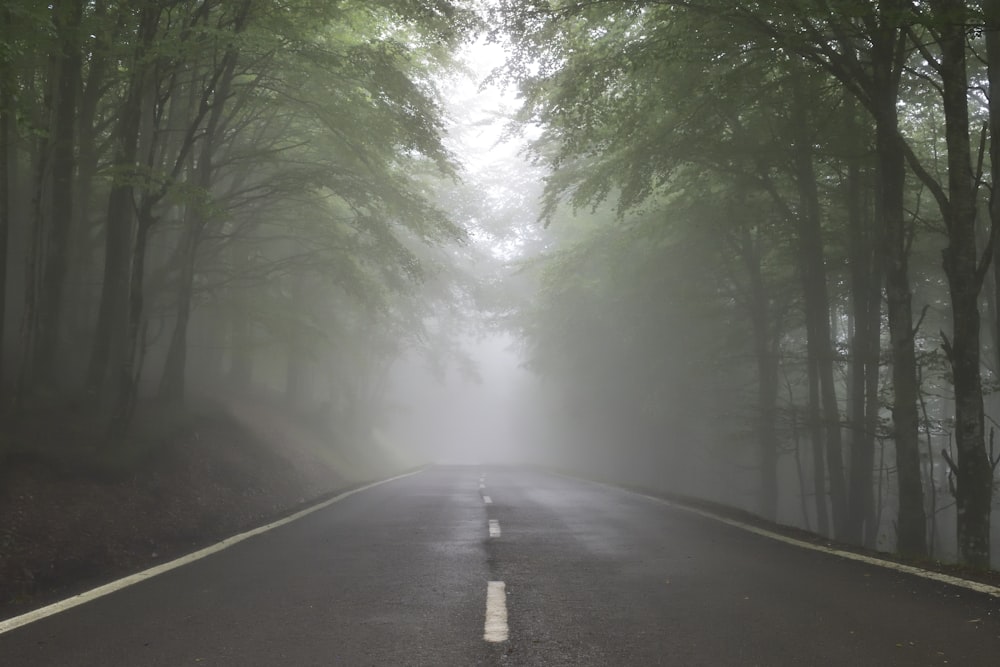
495,629
487,500
494,528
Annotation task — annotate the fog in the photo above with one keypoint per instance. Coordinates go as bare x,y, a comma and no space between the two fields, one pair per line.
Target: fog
469,418
624,242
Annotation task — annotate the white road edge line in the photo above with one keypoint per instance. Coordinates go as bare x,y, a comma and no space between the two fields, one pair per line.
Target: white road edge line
118,584
967,584
494,528
848,555
487,500
931,575
495,628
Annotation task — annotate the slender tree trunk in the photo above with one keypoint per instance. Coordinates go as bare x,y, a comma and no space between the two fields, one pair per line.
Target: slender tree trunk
931,482
767,441
797,449
128,366
879,487
41,200
817,307
876,85
296,365
6,153
111,338
112,319
865,343
80,300
862,457
241,355
991,11
816,438
911,520
67,15
974,470
173,379
814,333
765,350
872,352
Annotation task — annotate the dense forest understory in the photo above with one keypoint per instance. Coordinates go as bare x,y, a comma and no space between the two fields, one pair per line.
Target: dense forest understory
750,250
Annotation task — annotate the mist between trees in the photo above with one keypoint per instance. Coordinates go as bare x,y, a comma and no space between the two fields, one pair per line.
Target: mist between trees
202,200
766,273
785,296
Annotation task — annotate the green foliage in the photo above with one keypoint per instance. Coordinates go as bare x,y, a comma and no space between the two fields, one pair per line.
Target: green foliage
700,142
285,158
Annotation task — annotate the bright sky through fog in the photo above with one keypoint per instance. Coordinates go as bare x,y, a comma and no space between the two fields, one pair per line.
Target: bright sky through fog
455,420
479,136
480,112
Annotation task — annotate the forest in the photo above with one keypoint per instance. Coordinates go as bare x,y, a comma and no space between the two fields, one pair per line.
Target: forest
748,250
796,304
210,206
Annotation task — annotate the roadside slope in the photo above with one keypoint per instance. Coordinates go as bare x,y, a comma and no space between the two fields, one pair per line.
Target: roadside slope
69,522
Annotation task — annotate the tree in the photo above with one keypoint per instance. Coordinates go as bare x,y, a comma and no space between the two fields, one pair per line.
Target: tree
200,148
596,76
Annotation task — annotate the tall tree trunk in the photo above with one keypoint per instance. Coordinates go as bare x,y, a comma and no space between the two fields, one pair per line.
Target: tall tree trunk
862,457
80,300
865,343
6,154
815,427
911,519
816,327
173,380
41,208
872,351
974,470
112,319
817,305
128,364
111,348
991,11
765,345
296,366
241,354
112,315
874,77
67,16
887,56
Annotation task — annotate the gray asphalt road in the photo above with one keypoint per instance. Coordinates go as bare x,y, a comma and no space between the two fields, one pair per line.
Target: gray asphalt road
398,574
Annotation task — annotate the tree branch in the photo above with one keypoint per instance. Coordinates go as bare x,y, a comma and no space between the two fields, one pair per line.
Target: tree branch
920,320
950,462
922,48
946,345
927,179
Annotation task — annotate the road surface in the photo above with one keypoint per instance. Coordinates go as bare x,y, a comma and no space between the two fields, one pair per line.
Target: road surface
575,574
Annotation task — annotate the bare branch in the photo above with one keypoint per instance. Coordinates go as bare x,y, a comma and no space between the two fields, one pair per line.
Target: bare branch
950,462
927,179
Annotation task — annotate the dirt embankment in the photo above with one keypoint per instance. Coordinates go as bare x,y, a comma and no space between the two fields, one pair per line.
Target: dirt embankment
73,516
